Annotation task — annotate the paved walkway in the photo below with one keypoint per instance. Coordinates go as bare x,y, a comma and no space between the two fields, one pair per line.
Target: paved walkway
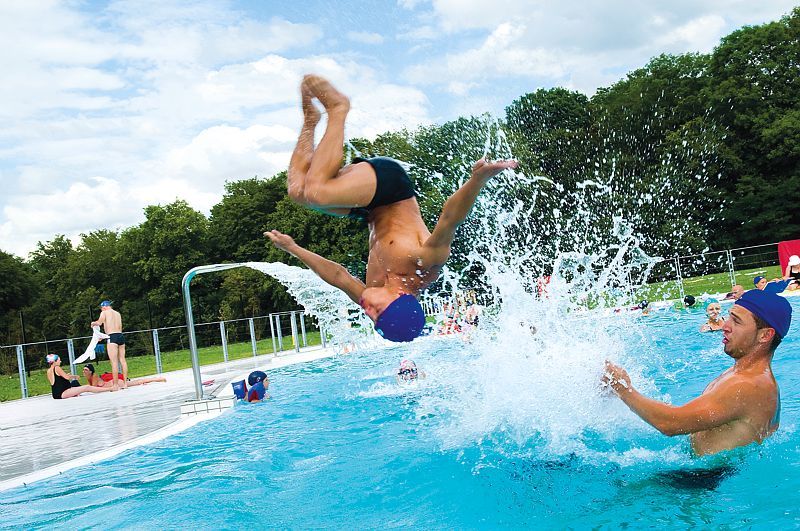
41,432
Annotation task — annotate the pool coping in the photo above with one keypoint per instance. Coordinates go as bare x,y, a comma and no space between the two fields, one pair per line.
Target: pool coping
182,423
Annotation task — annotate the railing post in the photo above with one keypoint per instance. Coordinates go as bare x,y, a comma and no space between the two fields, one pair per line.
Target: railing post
731,270
272,331
279,331
71,354
295,341
322,337
680,278
224,336
23,380
303,328
157,351
253,337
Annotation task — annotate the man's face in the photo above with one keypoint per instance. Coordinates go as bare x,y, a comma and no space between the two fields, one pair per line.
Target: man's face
87,372
762,283
737,292
739,333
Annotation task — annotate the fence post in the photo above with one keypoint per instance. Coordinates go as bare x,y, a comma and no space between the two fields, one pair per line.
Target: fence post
157,351
731,270
272,331
295,341
253,337
224,336
680,277
71,354
279,331
322,337
303,328
23,380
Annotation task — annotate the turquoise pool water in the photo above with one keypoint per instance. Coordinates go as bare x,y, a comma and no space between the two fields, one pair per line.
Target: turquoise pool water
341,445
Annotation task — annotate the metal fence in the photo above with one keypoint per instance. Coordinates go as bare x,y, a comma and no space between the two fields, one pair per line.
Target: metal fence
219,341
711,272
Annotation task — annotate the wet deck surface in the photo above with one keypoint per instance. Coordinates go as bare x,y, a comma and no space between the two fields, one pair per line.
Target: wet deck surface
41,432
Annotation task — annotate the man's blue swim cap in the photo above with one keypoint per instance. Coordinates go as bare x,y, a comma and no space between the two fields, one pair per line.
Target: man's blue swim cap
756,280
106,303
770,308
402,320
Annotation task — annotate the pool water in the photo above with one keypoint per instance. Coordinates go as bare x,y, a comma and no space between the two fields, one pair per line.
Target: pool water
342,445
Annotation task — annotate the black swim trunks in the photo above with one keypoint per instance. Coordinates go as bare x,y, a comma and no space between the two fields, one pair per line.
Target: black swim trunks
116,338
393,185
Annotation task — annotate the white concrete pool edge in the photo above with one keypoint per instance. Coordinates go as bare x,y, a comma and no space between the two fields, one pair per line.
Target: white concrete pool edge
181,424
162,433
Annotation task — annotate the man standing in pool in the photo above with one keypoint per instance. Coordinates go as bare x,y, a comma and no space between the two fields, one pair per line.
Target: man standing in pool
404,257
112,325
742,405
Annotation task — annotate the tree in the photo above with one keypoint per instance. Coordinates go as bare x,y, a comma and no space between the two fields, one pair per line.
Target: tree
755,82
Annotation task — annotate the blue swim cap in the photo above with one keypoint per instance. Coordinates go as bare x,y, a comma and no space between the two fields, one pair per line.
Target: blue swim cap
711,301
402,320
770,308
106,303
255,377
756,280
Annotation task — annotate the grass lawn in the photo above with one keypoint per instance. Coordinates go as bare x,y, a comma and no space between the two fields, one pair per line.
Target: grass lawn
716,283
146,365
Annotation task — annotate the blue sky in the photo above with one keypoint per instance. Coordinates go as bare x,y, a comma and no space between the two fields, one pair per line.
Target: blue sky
111,106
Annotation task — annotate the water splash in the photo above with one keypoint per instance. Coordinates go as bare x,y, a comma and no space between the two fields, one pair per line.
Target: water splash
340,318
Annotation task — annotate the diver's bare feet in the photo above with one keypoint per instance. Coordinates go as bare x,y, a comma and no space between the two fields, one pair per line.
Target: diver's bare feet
311,114
334,101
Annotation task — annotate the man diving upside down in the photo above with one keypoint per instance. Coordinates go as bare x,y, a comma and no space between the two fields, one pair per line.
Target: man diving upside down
404,257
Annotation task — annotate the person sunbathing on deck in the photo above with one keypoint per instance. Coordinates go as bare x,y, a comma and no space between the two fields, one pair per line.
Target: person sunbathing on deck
739,407
104,380
65,385
404,257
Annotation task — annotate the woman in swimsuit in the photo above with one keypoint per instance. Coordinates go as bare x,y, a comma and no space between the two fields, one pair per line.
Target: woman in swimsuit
793,273
61,384
99,381
715,320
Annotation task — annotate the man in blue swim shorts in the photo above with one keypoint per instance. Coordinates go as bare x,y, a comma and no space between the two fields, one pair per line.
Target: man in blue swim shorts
743,404
404,257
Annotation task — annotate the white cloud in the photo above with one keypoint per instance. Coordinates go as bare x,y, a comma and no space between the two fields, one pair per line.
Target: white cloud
365,37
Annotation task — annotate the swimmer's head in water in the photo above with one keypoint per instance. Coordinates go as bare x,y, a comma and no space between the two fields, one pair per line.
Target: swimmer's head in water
760,282
689,301
407,370
713,308
400,319
51,358
644,304
257,376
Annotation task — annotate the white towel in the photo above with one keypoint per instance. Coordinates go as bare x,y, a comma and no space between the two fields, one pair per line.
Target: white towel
97,336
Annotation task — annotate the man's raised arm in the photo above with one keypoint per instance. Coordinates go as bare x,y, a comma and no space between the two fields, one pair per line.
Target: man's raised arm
716,407
331,272
457,207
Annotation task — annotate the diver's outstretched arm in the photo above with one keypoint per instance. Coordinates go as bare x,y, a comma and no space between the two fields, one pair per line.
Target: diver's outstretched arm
437,248
331,272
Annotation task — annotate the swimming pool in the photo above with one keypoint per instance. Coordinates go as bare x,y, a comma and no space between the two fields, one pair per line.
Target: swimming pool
341,445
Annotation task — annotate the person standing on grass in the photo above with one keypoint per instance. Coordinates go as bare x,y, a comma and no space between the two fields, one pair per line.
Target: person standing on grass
112,325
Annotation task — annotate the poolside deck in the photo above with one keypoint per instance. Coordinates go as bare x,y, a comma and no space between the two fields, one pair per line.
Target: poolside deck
41,433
